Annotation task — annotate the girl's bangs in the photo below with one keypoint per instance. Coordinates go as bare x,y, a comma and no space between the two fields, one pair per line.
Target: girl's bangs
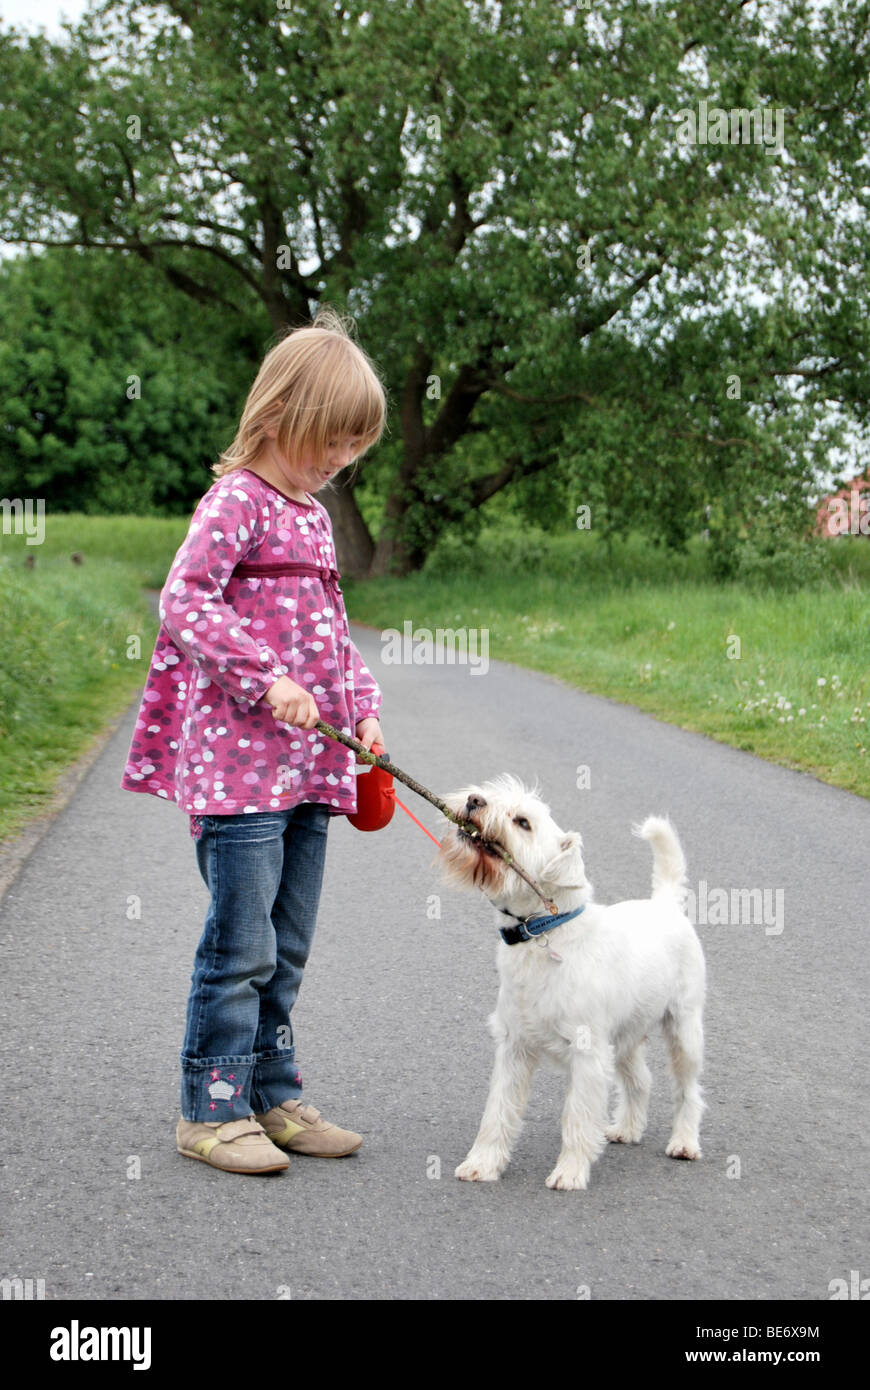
352,408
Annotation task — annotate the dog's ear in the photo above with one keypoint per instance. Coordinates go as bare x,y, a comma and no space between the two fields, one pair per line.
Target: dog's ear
566,868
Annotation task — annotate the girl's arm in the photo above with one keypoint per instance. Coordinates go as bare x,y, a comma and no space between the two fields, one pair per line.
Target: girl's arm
367,701
367,693
224,529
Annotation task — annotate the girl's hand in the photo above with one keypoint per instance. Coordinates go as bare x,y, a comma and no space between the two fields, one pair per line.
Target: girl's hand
368,731
291,704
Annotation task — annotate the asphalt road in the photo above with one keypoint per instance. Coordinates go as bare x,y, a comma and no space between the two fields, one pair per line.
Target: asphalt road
391,1038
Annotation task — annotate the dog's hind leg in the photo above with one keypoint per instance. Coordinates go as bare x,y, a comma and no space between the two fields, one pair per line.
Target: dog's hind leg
633,1082
503,1115
685,1038
584,1117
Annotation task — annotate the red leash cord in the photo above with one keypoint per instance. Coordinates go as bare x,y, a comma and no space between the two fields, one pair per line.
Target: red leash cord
417,822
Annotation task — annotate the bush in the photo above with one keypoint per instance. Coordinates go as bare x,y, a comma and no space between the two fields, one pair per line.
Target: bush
509,546
772,556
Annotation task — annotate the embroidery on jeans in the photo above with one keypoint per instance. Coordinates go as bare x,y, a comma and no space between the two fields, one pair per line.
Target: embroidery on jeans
222,1090
196,826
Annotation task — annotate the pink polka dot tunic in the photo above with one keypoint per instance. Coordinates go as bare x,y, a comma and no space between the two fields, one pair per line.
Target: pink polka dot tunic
252,595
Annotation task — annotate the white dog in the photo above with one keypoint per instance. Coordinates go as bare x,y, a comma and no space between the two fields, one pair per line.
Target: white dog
584,994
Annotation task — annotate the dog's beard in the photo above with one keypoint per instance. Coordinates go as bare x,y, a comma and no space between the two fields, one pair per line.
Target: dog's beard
469,864
466,861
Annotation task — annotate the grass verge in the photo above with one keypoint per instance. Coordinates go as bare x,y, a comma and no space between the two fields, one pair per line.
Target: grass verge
782,675
69,661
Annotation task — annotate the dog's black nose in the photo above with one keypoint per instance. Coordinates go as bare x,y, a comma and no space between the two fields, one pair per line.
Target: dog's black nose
474,803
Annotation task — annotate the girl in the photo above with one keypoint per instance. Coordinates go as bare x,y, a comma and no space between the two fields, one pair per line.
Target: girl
253,649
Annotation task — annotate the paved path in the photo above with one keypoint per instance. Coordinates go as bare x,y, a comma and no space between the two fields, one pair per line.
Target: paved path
392,1041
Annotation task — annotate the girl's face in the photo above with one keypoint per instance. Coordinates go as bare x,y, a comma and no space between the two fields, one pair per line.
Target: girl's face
309,473
339,454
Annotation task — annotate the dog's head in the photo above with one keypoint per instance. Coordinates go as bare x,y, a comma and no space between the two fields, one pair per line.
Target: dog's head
511,815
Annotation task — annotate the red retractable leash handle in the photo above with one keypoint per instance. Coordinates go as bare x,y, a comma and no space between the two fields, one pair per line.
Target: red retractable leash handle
375,795
376,798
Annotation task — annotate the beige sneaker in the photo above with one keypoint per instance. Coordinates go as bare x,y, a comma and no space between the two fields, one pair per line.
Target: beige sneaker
237,1146
299,1129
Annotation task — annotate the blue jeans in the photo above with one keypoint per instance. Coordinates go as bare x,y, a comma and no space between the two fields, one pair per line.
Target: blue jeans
264,871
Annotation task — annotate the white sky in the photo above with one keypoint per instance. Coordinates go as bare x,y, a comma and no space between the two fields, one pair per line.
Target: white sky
39,14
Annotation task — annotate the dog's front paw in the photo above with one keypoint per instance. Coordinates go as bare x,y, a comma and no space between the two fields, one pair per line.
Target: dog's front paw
569,1177
621,1134
683,1148
478,1168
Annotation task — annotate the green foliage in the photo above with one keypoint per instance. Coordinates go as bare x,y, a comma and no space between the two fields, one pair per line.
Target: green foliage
111,399
774,556
570,305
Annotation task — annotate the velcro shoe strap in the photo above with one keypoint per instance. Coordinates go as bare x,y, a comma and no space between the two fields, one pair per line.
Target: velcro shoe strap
225,1134
234,1129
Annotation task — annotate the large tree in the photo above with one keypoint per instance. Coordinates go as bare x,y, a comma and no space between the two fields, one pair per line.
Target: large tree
564,283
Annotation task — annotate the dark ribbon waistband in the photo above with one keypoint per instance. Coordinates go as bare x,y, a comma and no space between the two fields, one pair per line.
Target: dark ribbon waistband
271,570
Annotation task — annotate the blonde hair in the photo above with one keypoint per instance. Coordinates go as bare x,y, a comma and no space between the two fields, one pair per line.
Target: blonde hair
314,386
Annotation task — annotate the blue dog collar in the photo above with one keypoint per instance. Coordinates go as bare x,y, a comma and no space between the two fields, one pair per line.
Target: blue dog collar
528,928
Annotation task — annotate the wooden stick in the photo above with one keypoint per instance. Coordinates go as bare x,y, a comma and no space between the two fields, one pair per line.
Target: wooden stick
467,825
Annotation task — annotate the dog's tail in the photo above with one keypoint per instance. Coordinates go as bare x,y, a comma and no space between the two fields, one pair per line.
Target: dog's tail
669,862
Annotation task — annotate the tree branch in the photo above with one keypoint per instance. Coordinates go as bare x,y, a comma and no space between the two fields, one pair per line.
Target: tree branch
466,825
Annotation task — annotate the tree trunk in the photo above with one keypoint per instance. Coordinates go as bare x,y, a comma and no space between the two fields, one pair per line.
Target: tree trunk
392,554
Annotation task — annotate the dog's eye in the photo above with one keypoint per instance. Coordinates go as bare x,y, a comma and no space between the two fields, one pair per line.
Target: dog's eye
522,822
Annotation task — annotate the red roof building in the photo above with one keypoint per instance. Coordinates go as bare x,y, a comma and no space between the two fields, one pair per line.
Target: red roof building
847,512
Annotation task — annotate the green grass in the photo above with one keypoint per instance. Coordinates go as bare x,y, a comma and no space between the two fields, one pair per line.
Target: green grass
67,666
651,630
635,624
